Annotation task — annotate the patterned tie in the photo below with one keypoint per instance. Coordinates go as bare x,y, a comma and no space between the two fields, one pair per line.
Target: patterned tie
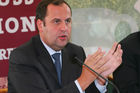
56,57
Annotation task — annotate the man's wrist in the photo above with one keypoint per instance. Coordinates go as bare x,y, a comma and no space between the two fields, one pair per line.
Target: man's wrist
101,88
78,86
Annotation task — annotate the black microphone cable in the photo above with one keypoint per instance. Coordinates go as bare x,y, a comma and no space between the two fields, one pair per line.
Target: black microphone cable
110,82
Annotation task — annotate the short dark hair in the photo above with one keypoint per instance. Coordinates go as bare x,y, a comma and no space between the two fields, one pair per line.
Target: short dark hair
41,10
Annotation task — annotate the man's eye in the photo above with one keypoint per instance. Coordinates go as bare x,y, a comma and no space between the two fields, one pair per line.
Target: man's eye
56,21
68,20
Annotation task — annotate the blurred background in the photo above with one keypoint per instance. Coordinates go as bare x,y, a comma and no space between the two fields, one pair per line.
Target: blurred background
99,23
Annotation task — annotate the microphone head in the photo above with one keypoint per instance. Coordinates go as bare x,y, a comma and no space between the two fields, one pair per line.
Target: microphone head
79,61
72,57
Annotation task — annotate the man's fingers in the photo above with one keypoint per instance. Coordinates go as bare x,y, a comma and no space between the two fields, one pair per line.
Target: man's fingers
94,60
94,57
97,52
118,53
98,57
113,49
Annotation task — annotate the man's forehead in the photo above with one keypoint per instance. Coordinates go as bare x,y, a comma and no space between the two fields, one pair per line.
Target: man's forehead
57,8
60,5
58,12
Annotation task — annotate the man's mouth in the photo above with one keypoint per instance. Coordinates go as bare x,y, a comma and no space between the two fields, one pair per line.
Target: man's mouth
63,37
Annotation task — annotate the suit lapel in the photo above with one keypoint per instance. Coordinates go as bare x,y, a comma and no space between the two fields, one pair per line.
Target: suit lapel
65,67
45,58
46,61
69,73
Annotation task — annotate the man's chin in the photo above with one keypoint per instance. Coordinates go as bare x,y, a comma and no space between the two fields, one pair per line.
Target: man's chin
63,45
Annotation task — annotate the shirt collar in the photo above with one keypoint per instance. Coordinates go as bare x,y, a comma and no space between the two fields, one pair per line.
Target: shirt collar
49,49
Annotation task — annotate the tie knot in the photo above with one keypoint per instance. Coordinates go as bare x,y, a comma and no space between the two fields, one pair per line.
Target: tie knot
56,56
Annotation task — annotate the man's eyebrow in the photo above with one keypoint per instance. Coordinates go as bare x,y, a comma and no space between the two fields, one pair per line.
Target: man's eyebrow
69,18
60,19
56,19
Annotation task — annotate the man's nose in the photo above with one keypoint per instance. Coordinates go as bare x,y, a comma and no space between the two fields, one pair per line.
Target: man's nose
63,26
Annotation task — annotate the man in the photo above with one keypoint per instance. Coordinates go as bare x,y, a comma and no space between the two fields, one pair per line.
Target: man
47,64
127,76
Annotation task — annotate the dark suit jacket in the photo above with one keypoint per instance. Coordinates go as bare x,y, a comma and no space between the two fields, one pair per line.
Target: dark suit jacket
127,76
31,69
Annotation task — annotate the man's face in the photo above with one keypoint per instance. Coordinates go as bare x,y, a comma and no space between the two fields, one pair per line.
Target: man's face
56,31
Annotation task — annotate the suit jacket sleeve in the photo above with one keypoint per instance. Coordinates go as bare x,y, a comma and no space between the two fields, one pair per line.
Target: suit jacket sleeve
127,75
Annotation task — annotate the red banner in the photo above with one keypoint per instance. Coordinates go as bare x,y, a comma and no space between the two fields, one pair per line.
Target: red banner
17,26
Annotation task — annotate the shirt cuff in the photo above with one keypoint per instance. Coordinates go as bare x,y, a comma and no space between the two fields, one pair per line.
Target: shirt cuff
101,88
79,87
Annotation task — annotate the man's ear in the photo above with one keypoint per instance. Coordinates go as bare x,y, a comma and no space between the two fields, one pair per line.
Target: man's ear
40,25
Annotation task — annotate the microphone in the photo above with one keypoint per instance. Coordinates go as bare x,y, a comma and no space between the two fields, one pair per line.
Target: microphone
110,82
